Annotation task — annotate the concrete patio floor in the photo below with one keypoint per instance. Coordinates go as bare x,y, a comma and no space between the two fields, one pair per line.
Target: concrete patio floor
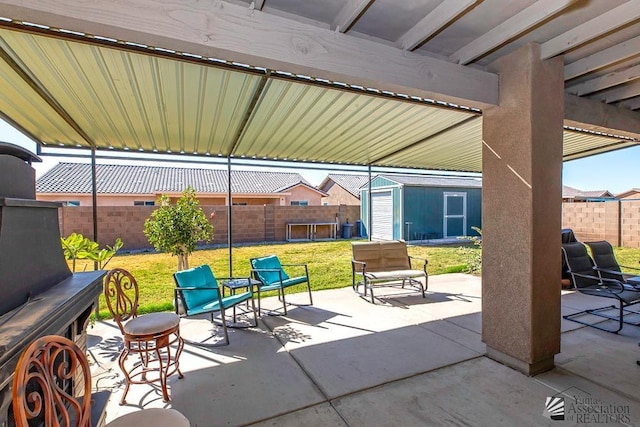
403,361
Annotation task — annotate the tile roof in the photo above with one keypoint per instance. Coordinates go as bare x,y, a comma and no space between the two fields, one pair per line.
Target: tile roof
572,193
435,180
627,193
351,183
137,179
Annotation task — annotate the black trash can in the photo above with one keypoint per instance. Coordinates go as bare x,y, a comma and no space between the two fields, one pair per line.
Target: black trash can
346,230
356,230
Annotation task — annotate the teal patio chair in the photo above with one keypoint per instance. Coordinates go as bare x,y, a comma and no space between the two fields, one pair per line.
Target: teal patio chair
198,291
272,277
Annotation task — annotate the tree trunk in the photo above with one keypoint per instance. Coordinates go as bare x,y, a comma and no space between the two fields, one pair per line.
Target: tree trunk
183,262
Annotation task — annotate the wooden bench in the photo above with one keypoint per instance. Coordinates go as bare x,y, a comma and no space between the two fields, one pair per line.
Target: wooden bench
385,263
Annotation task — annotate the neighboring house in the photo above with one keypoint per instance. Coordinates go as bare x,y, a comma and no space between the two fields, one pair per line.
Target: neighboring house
418,207
570,194
634,193
127,185
342,189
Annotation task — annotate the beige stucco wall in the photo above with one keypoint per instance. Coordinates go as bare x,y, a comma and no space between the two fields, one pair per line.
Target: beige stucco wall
302,192
339,196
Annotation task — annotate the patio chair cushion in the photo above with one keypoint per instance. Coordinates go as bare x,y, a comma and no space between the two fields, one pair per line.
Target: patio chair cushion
270,262
199,277
151,417
285,283
151,323
395,274
210,306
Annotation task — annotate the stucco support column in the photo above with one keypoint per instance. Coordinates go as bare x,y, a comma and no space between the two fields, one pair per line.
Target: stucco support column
521,218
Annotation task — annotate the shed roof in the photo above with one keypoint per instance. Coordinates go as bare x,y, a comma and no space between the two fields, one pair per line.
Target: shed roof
434,180
136,179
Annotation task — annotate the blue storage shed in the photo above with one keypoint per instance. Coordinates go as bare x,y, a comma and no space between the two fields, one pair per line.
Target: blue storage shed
420,207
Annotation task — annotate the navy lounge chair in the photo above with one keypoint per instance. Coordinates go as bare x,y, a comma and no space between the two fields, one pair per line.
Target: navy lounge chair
586,279
607,265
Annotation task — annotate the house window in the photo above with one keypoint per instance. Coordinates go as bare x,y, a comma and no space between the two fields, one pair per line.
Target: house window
299,203
71,203
143,203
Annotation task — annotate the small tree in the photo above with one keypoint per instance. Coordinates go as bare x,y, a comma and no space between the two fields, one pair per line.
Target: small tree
177,229
76,246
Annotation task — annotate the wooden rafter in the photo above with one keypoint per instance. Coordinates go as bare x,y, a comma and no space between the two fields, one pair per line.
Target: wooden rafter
604,82
632,104
439,17
350,14
619,93
609,21
603,58
509,29
257,4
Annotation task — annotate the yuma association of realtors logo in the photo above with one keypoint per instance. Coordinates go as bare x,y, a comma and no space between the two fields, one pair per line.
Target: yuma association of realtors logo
580,409
554,408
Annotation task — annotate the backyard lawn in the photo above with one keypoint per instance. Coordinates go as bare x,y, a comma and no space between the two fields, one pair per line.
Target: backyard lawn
329,266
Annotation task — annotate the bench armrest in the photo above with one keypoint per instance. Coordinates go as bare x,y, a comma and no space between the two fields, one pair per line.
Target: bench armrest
361,263
424,262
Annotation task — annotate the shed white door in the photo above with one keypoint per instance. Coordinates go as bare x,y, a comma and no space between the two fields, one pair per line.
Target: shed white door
382,215
455,214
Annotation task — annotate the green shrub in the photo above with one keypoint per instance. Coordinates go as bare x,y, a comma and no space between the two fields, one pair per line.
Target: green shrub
473,254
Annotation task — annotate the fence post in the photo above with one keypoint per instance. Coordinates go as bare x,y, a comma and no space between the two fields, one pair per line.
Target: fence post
619,223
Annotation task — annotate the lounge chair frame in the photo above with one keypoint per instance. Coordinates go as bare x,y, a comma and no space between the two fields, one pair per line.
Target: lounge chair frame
281,284
590,283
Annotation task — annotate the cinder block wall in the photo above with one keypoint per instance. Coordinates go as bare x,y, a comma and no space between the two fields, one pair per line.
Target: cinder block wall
250,223
631,224
617,222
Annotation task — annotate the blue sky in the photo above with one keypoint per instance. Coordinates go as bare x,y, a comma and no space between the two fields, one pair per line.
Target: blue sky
616,171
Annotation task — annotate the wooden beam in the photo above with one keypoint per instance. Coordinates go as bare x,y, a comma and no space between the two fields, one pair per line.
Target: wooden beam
509,29
594,115
618,94
235,33
608,21
604,82
439,17
603,58
349,14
